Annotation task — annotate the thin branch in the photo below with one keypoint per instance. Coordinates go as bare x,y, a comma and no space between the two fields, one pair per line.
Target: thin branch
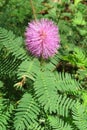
33,9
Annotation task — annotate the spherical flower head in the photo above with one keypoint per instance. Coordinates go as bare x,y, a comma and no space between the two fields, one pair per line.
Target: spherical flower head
42,38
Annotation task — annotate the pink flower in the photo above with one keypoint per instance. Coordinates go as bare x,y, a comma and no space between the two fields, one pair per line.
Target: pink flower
42,38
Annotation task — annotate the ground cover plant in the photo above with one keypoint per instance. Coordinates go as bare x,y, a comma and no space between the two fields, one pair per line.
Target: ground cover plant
43,65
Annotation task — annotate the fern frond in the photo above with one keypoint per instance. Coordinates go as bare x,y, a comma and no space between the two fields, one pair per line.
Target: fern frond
4,115
12,44
9,65
26,112
54,60
29,68
80,56
80,116
4,118
65,83
77,58
64,105
52,63
35,126
58,124
45,91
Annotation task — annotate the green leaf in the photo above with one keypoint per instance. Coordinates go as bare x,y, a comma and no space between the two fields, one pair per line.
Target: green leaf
45,90
26,112
80,116
76,2
58,124
78,20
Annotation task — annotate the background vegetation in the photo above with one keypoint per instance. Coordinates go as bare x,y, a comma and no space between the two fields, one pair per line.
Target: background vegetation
52,96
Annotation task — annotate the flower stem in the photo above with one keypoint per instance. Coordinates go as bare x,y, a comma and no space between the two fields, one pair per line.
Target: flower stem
33,9
41,60
42,63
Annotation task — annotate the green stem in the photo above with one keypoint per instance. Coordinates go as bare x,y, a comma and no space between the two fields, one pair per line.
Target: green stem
33,9
41,61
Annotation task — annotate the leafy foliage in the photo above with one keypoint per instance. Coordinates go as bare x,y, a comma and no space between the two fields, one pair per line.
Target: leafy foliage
44,89
49,94
26,112
80,116
58,124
